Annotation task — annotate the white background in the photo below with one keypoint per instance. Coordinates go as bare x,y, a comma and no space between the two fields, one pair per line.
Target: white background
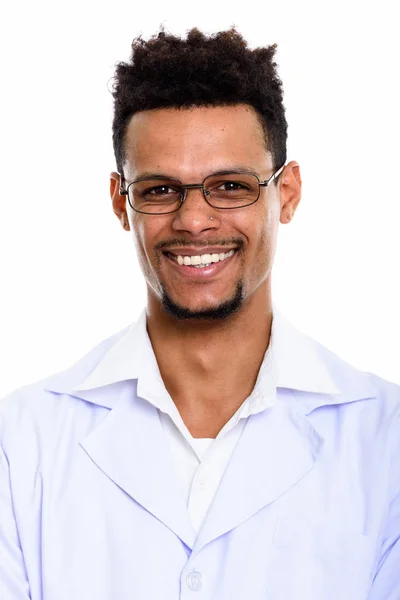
69,276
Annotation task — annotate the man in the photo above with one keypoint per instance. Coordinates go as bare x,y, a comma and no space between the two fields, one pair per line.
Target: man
210,450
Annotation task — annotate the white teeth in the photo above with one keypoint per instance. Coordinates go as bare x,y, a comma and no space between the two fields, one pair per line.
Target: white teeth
203,259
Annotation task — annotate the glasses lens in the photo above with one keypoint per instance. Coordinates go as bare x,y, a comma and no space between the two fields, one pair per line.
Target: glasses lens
231,190
155,195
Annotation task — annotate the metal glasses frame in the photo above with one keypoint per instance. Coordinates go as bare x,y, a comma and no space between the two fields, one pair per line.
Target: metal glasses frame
192,186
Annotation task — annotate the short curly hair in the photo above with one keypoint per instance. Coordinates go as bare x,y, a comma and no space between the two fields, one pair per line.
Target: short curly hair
218,70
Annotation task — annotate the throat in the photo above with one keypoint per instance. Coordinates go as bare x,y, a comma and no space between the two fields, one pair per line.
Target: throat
206,400
209,369
205,417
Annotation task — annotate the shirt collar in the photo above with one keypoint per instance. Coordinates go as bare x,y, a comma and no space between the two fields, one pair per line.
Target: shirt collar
314,374
296,363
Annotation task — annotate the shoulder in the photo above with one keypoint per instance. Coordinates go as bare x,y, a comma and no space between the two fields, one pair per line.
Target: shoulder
319,376
349,377
364,396
43,403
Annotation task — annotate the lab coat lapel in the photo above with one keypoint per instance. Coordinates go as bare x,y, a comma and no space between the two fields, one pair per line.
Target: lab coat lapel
129,446
278,447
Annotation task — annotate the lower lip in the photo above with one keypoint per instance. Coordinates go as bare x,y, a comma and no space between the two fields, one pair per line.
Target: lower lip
203,272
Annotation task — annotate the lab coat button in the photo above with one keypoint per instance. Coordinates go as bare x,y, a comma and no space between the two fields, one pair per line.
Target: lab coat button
194,581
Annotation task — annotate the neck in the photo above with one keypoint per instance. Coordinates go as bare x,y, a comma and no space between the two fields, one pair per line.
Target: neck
210,367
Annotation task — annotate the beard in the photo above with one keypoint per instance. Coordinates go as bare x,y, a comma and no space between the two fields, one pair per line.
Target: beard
222,311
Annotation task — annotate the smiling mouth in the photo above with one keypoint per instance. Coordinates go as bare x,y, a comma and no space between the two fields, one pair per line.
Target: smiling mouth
200,261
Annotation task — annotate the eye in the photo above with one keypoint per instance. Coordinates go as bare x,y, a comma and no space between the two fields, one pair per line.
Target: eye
160,193
232,186
160,190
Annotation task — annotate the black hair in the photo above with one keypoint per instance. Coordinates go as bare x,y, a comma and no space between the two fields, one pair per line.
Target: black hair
217,70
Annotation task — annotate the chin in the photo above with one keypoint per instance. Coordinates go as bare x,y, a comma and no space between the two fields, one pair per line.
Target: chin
210,313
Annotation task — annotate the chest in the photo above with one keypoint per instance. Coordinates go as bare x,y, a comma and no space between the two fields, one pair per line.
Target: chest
97,540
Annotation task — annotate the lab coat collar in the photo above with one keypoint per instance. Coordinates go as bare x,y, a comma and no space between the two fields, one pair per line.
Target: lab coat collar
277,449
299,363
129,447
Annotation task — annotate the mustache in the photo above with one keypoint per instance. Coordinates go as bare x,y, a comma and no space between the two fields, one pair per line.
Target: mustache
176,242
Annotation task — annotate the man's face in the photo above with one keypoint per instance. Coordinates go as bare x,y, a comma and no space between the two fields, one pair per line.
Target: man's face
190,144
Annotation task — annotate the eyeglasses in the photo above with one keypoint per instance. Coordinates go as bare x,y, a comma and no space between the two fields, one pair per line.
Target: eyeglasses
161,195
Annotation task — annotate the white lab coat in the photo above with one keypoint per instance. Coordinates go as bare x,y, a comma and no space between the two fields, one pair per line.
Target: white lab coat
308,507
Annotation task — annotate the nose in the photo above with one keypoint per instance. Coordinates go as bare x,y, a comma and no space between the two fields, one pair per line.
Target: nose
195,214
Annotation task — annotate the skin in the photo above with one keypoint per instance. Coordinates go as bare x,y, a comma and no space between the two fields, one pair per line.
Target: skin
210,366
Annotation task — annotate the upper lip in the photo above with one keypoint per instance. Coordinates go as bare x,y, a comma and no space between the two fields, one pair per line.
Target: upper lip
198,251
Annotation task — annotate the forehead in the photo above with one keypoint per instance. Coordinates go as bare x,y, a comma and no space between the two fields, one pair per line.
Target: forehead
194,141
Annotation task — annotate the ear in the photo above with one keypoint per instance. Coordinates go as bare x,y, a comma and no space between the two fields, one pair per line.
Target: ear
118,200
290,191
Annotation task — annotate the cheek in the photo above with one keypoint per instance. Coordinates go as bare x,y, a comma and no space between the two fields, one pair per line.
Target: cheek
142,240
146,234
261,232
262,242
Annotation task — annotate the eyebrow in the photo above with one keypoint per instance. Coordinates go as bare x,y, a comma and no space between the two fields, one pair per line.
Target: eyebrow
226,169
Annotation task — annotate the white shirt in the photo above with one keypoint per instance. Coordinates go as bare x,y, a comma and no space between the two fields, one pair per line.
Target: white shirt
199,463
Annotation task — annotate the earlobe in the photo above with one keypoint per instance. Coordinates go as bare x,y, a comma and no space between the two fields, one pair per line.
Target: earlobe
124,222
